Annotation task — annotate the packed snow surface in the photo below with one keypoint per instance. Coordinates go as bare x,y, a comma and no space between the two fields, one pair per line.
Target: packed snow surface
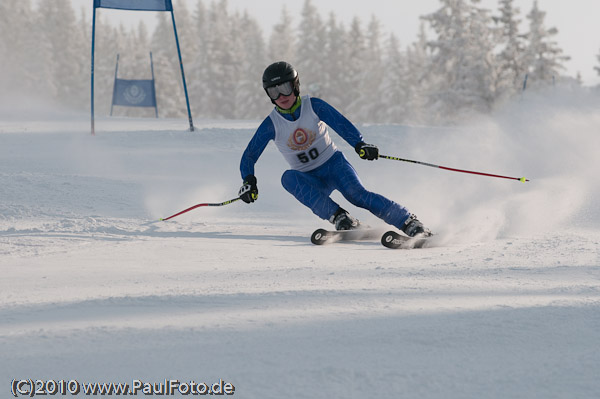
95,288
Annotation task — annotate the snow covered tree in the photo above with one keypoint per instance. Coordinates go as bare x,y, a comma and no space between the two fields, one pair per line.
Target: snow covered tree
19,48
140,41
511,68
393,88
84,34
336,61
250,49
221,62
282,41
197,73
354,70
463,65
310,49
4,37
417,78
373,79
56,19
543,56
467,65
12,35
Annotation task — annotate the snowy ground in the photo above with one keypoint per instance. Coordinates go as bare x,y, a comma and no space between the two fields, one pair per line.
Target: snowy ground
95,288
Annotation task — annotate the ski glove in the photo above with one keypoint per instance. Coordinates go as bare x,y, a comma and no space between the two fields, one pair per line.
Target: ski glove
249,191
367,151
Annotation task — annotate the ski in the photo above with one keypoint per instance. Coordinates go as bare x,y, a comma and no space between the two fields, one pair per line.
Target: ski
322,236
393,240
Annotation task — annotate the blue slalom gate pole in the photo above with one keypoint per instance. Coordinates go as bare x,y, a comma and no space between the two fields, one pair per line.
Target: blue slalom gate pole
92,82
114,85
187,99
153,86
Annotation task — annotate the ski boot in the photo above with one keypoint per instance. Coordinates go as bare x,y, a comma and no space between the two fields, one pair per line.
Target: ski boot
414,228
343,221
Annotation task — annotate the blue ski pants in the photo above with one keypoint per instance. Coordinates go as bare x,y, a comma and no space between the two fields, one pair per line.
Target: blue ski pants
314,187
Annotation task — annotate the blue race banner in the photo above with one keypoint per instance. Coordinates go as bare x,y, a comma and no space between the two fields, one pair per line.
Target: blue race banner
137,5
134,93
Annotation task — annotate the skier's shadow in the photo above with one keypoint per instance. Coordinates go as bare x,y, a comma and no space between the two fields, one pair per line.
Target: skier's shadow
152,231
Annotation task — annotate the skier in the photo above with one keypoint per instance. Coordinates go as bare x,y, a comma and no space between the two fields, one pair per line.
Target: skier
299,128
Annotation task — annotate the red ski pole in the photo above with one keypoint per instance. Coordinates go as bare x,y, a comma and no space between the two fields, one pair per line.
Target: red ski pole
521,179
199,205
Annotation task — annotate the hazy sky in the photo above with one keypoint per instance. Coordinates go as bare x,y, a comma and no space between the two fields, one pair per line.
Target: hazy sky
576,20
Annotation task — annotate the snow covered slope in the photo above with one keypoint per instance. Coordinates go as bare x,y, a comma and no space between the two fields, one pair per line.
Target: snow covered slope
95,288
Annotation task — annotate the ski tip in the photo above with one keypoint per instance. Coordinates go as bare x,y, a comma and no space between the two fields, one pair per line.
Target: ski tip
161,220
522,179
319,237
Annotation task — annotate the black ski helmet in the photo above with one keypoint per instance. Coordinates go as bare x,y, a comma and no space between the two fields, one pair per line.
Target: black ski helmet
280,72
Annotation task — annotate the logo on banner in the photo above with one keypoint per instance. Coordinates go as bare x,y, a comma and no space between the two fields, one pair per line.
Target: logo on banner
134,94
300,140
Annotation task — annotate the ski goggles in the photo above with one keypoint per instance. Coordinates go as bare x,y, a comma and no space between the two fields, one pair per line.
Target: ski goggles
285,88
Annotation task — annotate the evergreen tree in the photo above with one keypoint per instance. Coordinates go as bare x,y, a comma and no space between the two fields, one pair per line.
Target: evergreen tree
5,34
468,64
198,71
373,81
83,51
44,80
417,78
311,47
221,62
511,68
543,56
282,41
24,45
57,19
463,65
393,88
250,69
141,52
336,62
354,71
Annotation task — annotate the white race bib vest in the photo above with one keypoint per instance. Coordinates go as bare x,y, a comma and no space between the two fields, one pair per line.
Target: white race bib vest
304,143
